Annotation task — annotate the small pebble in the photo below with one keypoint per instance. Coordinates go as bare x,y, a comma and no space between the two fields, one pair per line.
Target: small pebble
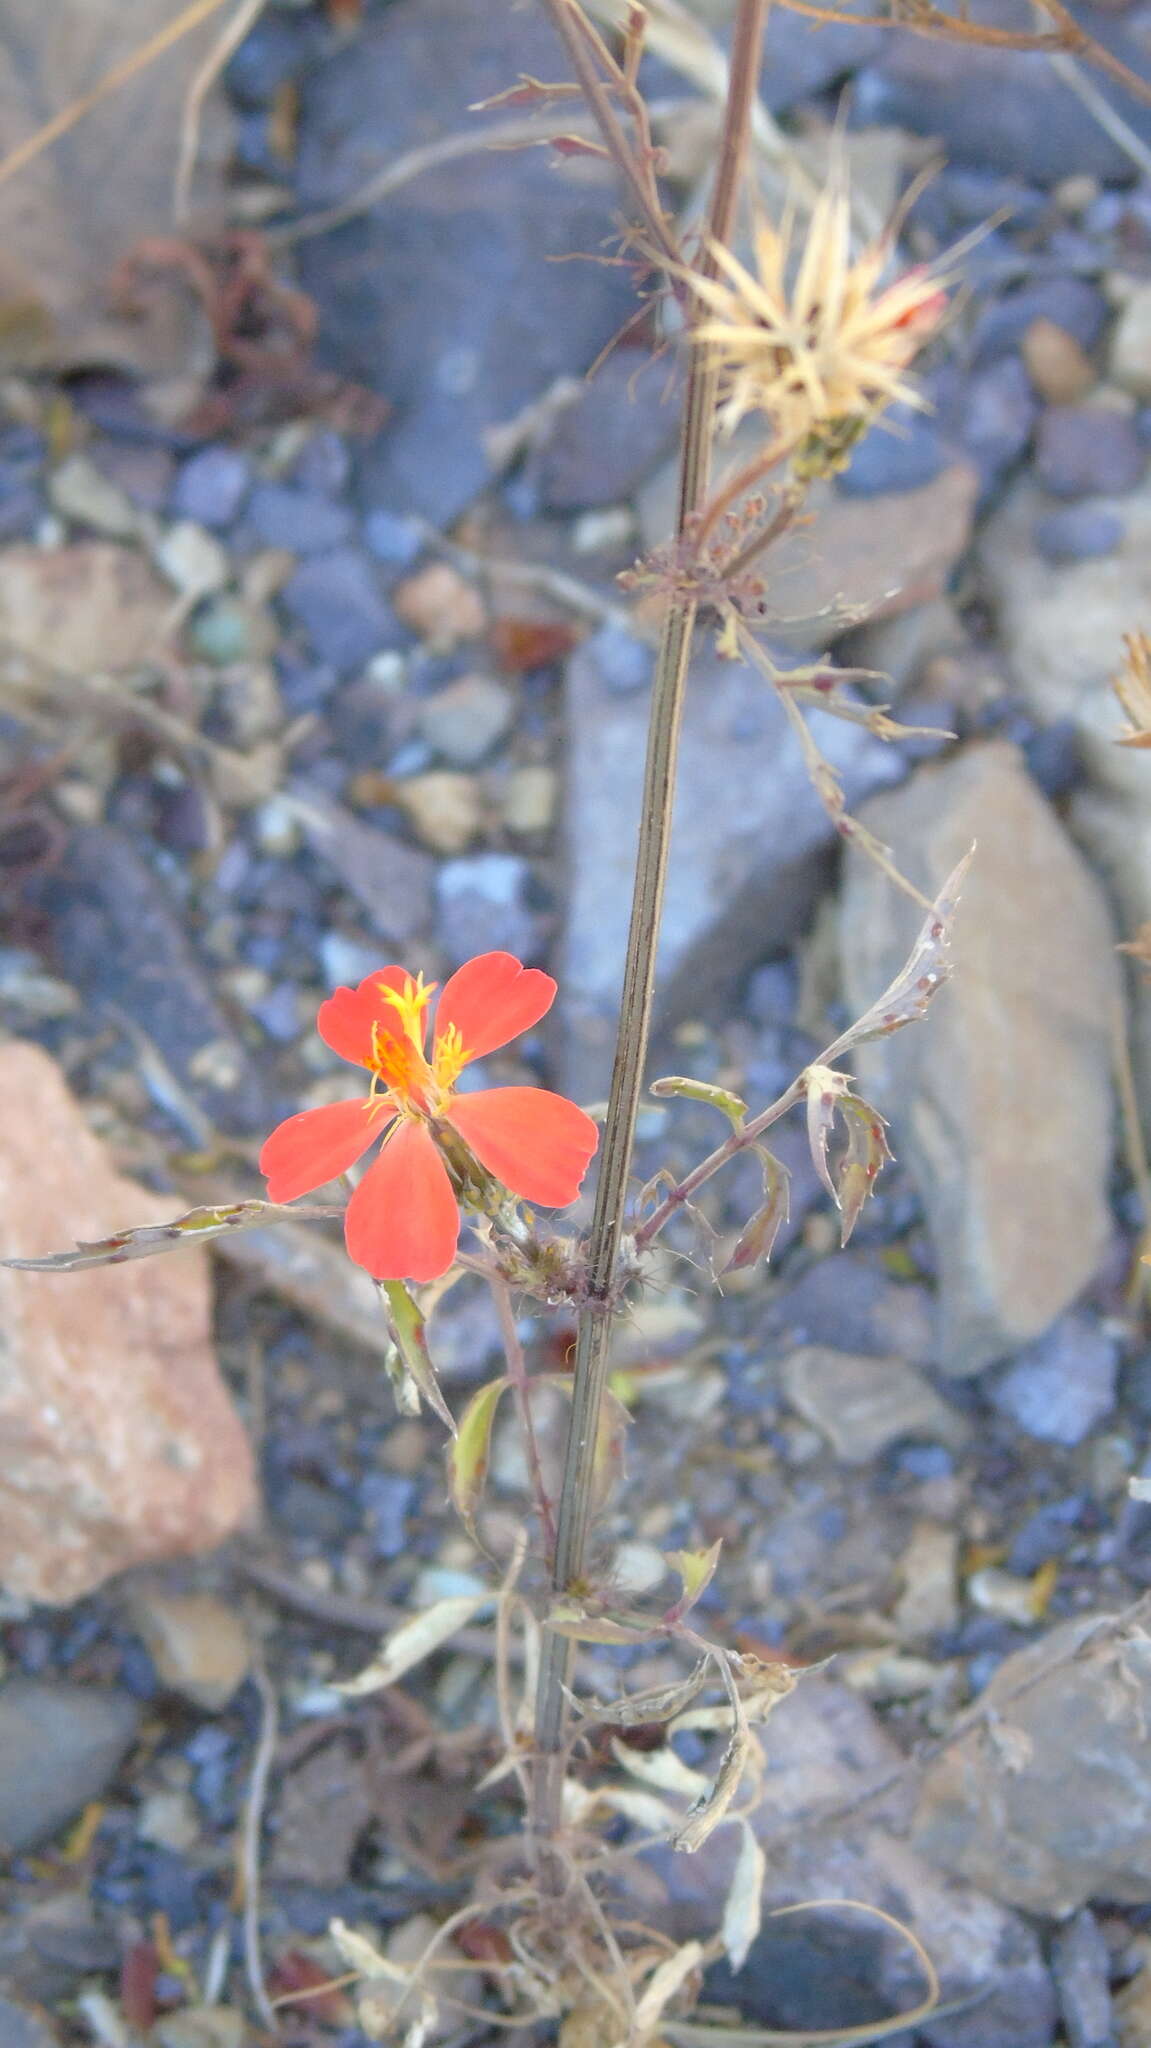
324,465
529,800
463,722
198,1645
79,493
1060,370
211,486
1007,1598
444,809
336,599
1081,1964
1083,532
481,907
392,538
1083,449
439,605
1061,1387
623,662
194,563
301,521
902,452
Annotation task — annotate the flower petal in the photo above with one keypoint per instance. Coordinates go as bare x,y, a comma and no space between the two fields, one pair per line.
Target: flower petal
536,1143
345,1021
491,999
402,1222
319,1144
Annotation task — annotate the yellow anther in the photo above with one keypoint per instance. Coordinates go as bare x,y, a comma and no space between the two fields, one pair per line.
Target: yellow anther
450,1056
411,1002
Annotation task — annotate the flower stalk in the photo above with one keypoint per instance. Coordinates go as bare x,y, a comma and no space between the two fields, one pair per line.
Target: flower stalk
593,1345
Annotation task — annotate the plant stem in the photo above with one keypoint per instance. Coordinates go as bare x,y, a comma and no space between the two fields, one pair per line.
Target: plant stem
595,1328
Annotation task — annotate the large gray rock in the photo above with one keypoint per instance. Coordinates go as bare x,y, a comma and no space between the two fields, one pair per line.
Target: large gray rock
825,1748
1062,629
59,1745
1000,1100
1046,1803
746,850
446,297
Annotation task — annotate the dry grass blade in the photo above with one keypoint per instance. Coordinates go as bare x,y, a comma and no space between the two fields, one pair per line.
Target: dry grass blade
414,1640
51,131
198,91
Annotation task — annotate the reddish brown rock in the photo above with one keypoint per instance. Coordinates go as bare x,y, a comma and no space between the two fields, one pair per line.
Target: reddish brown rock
119,1444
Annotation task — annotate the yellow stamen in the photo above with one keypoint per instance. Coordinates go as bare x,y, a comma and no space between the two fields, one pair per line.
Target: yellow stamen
450,1056
411,1002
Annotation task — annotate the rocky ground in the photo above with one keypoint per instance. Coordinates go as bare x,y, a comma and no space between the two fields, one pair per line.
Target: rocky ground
289,688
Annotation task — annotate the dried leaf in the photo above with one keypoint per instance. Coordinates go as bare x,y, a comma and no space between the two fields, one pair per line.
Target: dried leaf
702,1091
743,1907
757,1238
643,1809
850,1180
196,1226
659,1703
665,1982
709,1810
586,1622
762,1684
468,1453
926,969
663,1769
696,1568
414,1640
412,1372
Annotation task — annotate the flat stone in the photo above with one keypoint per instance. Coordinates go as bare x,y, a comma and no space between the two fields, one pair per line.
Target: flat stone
324,1806
1006,109
1000,1088
529,800
392,881
440,605
1064,1385
121,1443
1083,451
861,1405
192,559
337,601
1050,1806
604,445
1082,1965
463,722
482,907
1078,533
414,294
79,492
210,487
994,417
86,607
743,874
118,937
301,521
444,810
1061,371
199,1646
59,1746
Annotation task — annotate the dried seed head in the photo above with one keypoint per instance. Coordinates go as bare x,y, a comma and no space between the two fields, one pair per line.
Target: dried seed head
812,338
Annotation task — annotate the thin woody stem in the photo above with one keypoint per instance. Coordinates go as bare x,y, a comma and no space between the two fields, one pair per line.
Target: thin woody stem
595,1328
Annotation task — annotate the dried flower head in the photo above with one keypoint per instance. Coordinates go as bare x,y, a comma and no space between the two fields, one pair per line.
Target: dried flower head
812,339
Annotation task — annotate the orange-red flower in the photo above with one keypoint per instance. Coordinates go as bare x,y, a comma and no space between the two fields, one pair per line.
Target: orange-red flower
403,1222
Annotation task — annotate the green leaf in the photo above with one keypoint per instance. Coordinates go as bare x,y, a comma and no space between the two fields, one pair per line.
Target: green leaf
703,1091
416,1374
468,1453
196,1226
696,1569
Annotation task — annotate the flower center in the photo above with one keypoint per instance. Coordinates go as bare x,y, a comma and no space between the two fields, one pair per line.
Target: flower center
399,1064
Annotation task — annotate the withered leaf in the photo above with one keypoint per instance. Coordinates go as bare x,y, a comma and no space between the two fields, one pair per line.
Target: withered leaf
413,1374
196,1226
923,974
469,1451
